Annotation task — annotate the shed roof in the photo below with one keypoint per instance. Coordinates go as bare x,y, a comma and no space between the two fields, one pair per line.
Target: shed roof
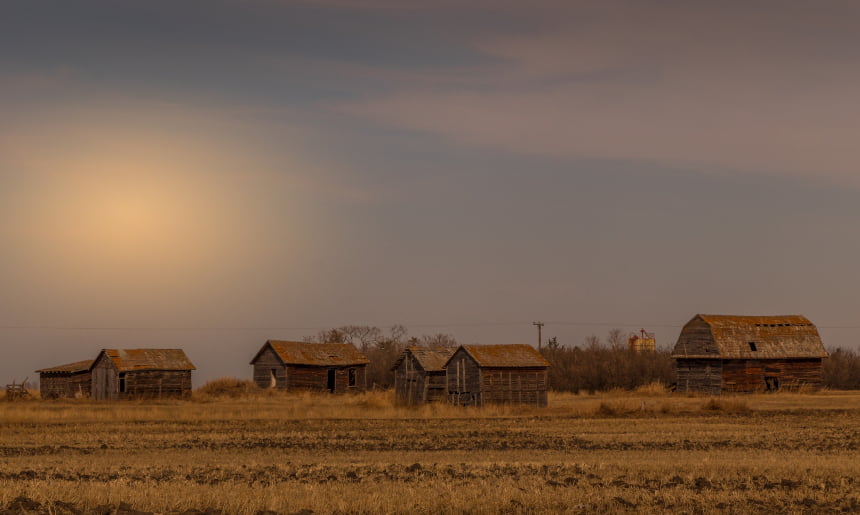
315,354
128,360
506,356
772,337
69,368
430,359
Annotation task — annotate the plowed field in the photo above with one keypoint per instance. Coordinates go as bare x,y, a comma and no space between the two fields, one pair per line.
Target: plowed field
786,453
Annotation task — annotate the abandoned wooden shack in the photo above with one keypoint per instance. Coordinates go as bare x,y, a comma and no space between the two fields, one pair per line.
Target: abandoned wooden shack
497,374
419,375
141,374
64,381
332,367
719,353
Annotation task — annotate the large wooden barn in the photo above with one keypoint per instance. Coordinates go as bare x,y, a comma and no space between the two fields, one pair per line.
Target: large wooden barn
719,353
141,373
419,375
70,380
497,374
332,367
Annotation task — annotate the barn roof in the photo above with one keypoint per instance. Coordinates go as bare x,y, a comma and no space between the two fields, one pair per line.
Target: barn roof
506,356
757,337
69,368
128,360
430,359
315,354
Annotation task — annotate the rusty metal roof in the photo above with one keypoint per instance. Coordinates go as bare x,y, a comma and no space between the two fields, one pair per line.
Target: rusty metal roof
70,368
749,337
127,360
506,356
430,359
316,354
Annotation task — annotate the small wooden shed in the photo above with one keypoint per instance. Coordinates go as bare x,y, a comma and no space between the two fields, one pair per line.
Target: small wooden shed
419,375
722,353
332,367
141,373
70,380
497,374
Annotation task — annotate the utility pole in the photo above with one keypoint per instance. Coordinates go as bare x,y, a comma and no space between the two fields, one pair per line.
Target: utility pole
539,326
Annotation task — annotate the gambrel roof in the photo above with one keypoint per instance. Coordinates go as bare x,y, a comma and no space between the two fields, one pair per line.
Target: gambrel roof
505,356
749,337
314,354
430,359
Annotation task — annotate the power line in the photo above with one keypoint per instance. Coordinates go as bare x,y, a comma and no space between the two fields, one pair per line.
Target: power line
319,328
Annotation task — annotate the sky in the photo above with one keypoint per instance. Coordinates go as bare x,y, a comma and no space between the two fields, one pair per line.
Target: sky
209,175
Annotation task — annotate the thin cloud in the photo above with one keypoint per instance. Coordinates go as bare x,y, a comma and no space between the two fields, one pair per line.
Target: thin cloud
743,88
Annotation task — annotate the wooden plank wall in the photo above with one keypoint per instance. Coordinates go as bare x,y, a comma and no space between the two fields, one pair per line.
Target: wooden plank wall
301,377
699,376
464,379
80,385
409,381
413,385
263,366
64,385
781,374
53,386
146,384
435,386
104,385
514,386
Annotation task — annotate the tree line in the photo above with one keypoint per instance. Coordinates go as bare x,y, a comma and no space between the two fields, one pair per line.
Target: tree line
596,365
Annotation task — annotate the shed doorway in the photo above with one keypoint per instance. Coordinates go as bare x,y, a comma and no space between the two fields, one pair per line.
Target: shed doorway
771,383
330,382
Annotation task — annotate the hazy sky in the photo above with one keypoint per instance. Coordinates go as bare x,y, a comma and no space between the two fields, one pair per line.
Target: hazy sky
210,174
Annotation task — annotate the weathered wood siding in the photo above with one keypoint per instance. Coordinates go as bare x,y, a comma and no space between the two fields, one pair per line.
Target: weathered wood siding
138,384
104,381
435,386
147,384
301,377
63,385
696,339
713,377
413,385
470,384
514,386
463,376
776,374
699,375
264,365
409,381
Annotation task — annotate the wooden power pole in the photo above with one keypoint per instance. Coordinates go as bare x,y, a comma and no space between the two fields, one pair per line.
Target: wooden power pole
539,326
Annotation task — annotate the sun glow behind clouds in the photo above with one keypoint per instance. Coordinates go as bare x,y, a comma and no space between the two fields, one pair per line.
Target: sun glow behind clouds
102,219
139,218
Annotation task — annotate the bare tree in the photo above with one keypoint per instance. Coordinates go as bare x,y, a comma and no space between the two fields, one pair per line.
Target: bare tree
437,340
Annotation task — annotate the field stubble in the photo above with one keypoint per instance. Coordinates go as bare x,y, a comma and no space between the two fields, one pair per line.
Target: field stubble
614,452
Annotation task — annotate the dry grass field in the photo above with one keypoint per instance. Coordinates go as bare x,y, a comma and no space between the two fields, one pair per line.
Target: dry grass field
645,451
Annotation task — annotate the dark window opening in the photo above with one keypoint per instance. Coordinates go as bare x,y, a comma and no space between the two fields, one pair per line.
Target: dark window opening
771,383
752,346
351,377
122,383
330,382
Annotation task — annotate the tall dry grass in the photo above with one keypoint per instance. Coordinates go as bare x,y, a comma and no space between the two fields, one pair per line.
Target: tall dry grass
240,400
